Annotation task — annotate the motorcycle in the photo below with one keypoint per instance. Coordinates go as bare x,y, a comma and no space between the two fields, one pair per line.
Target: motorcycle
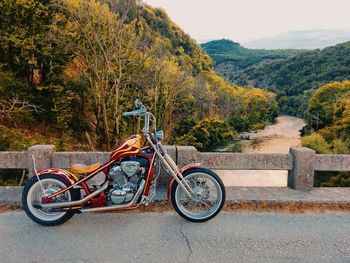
52,196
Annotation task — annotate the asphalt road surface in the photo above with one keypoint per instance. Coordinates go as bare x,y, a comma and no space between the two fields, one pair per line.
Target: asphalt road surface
154,237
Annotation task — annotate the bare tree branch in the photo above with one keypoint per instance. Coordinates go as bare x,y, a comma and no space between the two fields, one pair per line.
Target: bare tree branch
16,105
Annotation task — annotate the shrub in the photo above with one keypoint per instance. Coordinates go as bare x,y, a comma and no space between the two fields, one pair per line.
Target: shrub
316,142
340,147
332,179
20,140
207,134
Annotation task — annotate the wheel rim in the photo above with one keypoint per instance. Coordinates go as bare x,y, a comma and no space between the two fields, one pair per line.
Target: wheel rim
208,200
35,194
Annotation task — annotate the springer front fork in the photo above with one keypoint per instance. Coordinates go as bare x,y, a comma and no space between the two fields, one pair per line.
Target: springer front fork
171,166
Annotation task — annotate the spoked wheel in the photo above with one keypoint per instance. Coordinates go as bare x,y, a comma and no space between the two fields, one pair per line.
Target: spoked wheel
33,193
209,195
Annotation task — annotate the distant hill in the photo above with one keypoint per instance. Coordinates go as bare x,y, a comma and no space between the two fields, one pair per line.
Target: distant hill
227,50
306,39
292,74
230,58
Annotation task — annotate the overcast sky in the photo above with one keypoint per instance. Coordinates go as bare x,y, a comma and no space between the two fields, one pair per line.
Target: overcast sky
246,20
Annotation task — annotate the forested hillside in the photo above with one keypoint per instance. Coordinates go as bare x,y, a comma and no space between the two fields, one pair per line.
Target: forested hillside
292,78
225,50
230,58
329,132
69,68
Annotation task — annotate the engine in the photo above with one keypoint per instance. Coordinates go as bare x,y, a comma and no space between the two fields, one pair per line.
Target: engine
125,179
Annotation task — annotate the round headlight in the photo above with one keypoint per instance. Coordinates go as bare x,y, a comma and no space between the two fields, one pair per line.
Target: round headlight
159,135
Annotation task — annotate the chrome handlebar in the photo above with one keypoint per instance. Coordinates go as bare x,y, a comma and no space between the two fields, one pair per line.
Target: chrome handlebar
141,111
134,112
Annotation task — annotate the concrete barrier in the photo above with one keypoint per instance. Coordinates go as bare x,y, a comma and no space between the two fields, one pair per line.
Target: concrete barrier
300,162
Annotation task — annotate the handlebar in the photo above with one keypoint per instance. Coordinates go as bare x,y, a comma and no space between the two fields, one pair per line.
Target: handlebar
134,112
142,111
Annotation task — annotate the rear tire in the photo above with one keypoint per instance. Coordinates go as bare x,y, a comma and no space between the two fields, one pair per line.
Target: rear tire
32,189
218,186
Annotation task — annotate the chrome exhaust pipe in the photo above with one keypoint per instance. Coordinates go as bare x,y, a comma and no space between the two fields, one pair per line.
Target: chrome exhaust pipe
74,203
115,207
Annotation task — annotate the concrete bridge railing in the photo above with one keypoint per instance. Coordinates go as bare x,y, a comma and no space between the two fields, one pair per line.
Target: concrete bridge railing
301,163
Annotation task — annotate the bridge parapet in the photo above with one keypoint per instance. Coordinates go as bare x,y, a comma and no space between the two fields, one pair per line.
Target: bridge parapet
300,162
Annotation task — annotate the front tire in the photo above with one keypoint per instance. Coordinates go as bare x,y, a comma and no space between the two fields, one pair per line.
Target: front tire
210,191
32,194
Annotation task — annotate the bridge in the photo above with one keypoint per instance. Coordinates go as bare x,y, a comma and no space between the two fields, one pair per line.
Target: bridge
301,163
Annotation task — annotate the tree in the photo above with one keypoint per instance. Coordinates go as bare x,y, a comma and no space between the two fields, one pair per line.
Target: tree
14,106
103,46
207,134
328,102
23,27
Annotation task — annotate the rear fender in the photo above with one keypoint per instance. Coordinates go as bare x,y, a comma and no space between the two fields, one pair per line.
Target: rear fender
182,170
71,178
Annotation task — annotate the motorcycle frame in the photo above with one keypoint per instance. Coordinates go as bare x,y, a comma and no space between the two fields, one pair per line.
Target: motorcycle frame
122,151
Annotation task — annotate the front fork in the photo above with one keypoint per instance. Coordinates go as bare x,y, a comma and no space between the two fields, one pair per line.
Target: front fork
172,167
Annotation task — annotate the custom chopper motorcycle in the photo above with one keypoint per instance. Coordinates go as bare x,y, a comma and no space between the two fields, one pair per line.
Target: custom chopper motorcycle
52,196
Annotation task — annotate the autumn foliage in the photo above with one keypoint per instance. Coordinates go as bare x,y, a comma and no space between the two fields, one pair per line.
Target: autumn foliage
82,63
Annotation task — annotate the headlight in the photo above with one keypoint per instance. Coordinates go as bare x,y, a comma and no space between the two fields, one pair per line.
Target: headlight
159,135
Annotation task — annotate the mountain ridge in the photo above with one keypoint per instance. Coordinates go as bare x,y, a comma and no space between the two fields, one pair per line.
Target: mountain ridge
302,39
293,77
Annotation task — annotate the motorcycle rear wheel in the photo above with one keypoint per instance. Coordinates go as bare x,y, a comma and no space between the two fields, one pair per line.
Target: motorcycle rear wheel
210,193
32,194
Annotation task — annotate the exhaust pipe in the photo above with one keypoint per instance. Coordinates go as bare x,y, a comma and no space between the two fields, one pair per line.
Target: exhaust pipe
73,203
115,207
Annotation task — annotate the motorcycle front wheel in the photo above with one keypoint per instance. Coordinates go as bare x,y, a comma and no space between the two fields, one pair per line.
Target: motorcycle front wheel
209,195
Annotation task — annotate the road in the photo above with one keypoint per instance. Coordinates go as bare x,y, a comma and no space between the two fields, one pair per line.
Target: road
154,237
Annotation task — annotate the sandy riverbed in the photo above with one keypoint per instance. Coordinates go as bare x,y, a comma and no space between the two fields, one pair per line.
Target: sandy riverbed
278,137
275,138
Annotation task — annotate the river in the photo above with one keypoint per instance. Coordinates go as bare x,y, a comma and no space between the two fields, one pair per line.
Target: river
275,138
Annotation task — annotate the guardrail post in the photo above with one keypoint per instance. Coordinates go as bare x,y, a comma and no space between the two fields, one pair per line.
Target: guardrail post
182,155
186,155
301,177
42,155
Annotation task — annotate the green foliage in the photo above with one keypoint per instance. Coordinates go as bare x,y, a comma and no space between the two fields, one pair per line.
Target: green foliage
329,109
20,140
12,177
308,70
228,52
292,74
320,145
207,134
332,179
158,27
295,105
317,142
84,62
330,103
340,147
23,27
240,123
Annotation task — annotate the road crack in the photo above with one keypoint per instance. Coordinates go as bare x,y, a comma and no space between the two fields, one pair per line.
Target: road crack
188,244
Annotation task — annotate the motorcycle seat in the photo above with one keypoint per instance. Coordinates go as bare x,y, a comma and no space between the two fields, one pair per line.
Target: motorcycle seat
84,169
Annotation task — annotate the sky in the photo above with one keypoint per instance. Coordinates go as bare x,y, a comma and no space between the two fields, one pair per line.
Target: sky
247,20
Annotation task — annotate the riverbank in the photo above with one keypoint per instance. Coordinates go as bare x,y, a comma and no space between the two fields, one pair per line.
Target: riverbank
276,138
